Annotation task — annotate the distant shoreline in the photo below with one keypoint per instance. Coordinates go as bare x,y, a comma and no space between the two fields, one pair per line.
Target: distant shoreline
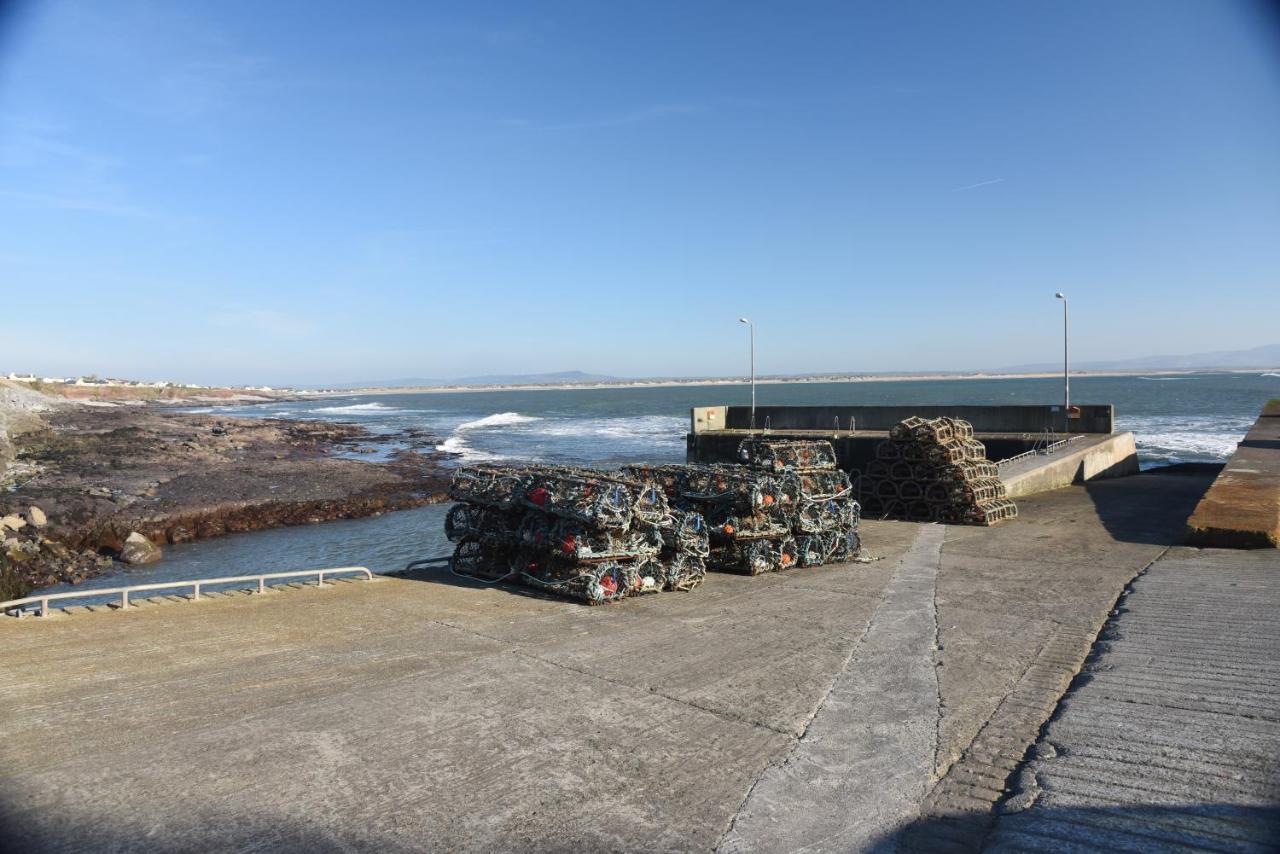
709,383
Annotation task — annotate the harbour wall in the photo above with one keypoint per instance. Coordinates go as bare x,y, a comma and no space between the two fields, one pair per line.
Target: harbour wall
1242,508
1085,418
1007,431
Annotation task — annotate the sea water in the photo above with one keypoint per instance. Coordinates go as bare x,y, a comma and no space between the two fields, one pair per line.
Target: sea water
1182,418
1176,418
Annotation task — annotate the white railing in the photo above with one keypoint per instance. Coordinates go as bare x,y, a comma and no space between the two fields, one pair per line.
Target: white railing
1043,448
124,592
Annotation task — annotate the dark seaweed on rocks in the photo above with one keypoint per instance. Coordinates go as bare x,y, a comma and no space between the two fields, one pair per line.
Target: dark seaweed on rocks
99,475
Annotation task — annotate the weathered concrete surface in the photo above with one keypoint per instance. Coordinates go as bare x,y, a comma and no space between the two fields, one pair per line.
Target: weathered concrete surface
1086,458
424,713
1171,738
867,759
1091,418
1242,508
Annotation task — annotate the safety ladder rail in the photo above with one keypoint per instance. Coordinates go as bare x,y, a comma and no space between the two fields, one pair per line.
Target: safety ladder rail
1042,449
14,605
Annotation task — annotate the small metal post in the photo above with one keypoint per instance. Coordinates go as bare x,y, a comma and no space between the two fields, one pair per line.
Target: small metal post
262,585
124,599
197,594
752,327
44,607
1066,373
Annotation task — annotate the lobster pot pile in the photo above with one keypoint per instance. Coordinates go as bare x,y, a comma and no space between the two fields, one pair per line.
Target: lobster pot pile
787,506
824,516
589,535
747,513
933,470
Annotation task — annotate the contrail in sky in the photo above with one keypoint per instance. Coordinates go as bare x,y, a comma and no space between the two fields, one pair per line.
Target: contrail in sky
979,184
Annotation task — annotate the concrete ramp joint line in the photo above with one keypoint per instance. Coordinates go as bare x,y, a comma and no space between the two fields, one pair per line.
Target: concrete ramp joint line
866,760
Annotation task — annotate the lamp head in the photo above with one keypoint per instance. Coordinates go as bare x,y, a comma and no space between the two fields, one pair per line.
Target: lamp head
743,320
1060,295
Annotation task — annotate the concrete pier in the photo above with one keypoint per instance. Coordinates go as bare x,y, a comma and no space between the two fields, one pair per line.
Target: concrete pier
1170,738
836,708
1242,508
1093,452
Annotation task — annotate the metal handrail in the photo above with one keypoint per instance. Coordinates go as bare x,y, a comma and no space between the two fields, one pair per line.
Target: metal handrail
196,584
1044,449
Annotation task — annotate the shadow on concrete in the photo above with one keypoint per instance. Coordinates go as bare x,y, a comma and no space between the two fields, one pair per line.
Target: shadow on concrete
444,575
1203,826
72,833
1152,507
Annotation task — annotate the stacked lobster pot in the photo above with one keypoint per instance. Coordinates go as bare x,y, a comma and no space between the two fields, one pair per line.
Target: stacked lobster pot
749,512
824,519
933,470
590,535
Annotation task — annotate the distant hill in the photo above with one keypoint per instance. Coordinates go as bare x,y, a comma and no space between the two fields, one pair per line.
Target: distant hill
535,379
1267,356
555,378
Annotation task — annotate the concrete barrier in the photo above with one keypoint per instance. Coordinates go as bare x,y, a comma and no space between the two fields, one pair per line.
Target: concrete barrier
1242,508
1086,418
1084,460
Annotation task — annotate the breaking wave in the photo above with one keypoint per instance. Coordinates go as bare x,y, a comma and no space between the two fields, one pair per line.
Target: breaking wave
1166,439
498,419
656,428
1270,374
458,445
356,407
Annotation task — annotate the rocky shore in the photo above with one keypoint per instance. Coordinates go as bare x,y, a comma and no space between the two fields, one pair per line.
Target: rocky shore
85,487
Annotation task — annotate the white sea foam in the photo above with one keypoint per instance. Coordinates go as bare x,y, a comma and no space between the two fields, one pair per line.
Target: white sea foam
649,428
458,445
356,407
1164,379
1187,446
1177,438
1270,374
498,419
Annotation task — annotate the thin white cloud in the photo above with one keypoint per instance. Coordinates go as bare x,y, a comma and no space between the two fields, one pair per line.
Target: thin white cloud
979,184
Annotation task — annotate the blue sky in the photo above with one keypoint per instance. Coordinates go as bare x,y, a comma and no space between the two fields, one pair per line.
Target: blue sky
308,193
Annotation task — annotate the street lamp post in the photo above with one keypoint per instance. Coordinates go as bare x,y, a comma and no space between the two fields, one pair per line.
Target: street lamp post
751,326
1066,375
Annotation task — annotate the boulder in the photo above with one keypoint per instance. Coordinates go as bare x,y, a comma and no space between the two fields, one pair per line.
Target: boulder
37,518
13,522
138,550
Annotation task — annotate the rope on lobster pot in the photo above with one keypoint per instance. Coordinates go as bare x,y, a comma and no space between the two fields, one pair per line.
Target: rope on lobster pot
888,451
910,490
902,470
471,558
594,584
887,490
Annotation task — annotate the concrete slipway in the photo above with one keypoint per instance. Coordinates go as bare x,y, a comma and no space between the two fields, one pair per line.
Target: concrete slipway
866,706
